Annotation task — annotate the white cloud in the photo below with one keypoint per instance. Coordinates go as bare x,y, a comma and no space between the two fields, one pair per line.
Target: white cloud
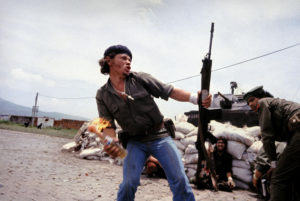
53,46
19,74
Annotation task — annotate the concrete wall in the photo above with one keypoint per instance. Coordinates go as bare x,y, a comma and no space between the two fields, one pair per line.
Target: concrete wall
68,123
45,121
20,119
4,117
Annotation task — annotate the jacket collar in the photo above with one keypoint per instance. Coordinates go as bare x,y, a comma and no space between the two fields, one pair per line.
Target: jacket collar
108,86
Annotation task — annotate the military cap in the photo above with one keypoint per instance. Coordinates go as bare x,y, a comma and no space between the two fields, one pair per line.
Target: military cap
117,49
257,92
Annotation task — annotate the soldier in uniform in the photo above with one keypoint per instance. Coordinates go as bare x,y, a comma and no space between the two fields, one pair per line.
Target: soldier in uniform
261,175
279,120
127,97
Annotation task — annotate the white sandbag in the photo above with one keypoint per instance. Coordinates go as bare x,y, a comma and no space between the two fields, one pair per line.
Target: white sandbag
240,164
251,157
242,174
90,152
179,135
230,132
191,149
241,185
189,140
236,149
181,152
184,127
190,158
245,156
253,131
255,147
69,146
93,157
181,118
191,166
190,172
192,133
179,145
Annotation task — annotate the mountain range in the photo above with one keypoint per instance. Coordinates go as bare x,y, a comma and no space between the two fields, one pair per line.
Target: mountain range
9,108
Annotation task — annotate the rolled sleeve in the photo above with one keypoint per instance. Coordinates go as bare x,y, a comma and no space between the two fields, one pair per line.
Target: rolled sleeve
156,87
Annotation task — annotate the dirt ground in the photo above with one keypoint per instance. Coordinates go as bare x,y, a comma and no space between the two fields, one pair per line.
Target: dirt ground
32,167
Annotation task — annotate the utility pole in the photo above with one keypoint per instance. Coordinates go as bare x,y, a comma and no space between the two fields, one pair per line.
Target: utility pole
233,85
35,109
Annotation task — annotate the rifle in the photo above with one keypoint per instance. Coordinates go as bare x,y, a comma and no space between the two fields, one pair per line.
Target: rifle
203,120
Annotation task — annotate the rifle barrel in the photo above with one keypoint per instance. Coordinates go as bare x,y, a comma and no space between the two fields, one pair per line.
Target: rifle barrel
211,37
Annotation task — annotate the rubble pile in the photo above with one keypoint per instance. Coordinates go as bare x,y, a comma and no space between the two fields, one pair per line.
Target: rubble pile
87,145
243,145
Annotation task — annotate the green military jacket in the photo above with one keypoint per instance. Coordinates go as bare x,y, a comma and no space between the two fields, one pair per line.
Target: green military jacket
262,162
274,114
139,113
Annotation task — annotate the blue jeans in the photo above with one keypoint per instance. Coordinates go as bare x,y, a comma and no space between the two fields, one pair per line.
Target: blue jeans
168,155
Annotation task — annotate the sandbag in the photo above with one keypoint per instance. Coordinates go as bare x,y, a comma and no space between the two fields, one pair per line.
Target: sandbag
90,152
241,185
253,131
242,174
190,172
230,132
181,118
192,133
179,145
255,147
69,146
184,127
236,149
178,135
190,158
240,164
191,166
181,152
245,156
189,140
191,149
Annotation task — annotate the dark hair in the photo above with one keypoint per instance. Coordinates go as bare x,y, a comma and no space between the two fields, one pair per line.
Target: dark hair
111,52
104,67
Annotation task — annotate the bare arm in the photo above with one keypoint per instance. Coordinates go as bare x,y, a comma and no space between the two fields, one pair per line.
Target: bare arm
184,96
180,95
110,131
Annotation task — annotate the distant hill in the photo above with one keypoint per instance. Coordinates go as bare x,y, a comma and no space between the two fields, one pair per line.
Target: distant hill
9,108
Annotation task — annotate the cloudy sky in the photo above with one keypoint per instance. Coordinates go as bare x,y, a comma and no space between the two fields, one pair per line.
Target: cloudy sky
52,47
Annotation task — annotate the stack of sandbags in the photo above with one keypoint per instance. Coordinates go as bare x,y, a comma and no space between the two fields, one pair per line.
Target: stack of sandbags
185,138
253,150
239,140
87,145
243,145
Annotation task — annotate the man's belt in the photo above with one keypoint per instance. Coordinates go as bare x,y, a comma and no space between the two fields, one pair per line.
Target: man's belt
156,130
